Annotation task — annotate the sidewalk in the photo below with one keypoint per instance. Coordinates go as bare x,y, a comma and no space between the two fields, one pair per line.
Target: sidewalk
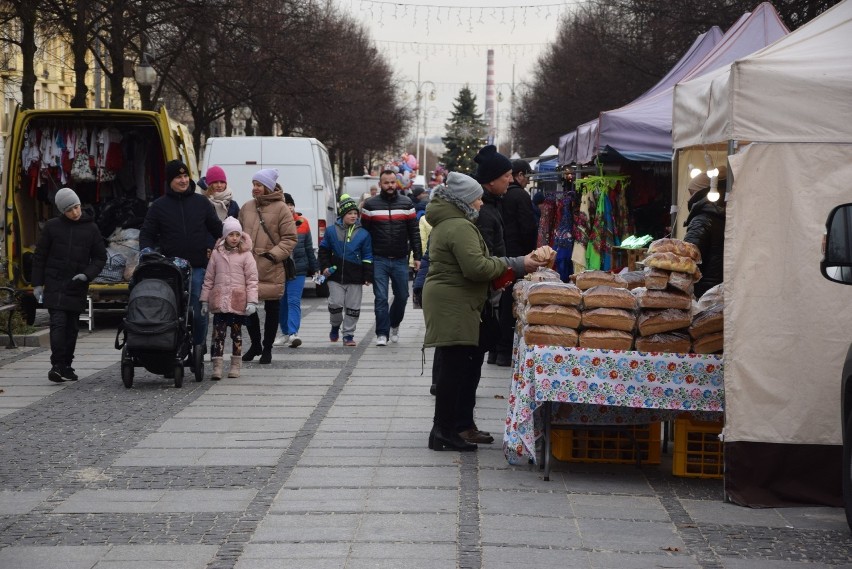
319,460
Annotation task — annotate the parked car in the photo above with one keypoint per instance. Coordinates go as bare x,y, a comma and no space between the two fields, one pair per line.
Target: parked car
836,266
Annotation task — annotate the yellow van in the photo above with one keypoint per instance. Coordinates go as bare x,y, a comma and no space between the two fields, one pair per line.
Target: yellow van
113,159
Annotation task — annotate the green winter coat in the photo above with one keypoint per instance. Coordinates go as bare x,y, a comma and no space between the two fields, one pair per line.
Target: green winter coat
460,270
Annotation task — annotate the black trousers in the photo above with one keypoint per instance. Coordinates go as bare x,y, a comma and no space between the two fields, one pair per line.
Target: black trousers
272,309
507,323
64,327
456,371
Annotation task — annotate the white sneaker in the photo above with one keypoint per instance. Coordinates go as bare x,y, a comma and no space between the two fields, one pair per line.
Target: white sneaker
394,335
381,340
295,341
281,340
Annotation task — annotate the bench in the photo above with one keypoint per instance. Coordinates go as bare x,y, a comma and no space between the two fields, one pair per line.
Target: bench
8,304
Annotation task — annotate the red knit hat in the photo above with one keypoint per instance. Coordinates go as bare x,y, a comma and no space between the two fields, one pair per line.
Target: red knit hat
215,174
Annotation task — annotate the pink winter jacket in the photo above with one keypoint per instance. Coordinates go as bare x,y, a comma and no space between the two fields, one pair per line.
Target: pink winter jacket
230,282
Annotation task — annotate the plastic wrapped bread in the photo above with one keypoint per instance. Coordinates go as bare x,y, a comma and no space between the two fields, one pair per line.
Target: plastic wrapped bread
709,344
670,262
543,275
545,254
609,318
676,246
681,281
713,296
589,279
662,298
599,339
603,296
671,342
634,279
553,314
565,294
550,336
656,279
662,320
708,321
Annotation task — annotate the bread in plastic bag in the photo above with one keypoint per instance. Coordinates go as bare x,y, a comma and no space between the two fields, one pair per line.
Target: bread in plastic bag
589,279
670,262
662,298
708,321
709,344
677,246
598,339
668,342
550,336
655,321
552,314
609,318
565,294
603,296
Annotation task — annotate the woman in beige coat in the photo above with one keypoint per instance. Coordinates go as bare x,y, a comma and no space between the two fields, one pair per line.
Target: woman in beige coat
269,223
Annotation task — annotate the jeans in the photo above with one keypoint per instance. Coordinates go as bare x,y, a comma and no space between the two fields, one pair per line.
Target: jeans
395,270
199,322
290,314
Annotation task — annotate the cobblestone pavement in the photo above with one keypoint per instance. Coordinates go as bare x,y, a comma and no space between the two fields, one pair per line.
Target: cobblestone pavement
319,460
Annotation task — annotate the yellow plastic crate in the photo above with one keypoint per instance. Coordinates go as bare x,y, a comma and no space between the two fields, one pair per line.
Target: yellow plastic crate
609,445
698,452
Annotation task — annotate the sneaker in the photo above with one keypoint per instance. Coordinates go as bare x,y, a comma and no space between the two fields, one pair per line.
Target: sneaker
349,341
68,373
295,341
334,335
281,340
381,340
55,375
394,335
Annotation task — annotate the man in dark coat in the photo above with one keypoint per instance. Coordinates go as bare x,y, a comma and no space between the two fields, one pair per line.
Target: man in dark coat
69,254
706,228
179,223
520,232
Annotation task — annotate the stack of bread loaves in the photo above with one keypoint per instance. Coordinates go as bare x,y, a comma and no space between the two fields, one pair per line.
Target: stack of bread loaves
708,323
665,301
551,315
609,311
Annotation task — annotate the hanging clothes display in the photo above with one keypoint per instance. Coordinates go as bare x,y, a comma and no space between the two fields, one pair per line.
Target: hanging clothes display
607,215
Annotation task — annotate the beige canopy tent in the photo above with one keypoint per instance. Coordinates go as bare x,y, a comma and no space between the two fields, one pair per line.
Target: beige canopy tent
783,119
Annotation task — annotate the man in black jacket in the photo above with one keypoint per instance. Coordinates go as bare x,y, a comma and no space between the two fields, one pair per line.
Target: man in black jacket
520,233
706,228
391,220
180,222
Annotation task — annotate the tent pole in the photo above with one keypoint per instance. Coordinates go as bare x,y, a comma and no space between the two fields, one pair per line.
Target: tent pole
673,208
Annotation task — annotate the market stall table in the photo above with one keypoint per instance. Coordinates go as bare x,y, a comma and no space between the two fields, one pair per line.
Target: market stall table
604,387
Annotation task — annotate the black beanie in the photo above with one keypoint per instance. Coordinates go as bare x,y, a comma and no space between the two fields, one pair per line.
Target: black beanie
490,164
174,169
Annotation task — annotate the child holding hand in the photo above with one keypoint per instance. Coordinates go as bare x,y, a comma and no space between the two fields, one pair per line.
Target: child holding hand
230,293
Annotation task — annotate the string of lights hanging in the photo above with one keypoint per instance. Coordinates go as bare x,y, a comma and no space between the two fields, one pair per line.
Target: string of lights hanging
459,50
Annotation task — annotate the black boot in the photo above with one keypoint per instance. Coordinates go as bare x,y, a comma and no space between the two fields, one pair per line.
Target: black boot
440,441
251,353
68,373
265,356
55,374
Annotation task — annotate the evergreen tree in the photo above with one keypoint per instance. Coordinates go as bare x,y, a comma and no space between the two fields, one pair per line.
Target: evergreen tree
465,134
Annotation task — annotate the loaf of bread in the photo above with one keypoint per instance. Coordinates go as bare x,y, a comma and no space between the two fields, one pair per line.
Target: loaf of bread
662,298
676,246
673,342
588,279
665,320
565,294
603,296
634,279
670,262
681,281
606,339
550,336
709,344
656,279
708,321
544,275
553,314
609,318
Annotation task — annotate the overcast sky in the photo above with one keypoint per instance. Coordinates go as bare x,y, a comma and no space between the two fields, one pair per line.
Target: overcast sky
450,40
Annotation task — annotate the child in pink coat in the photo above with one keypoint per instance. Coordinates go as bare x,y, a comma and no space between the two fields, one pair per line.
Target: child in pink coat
230,293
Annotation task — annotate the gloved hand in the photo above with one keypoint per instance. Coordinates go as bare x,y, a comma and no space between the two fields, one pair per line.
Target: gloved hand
38,293
80,277
251,308
204,309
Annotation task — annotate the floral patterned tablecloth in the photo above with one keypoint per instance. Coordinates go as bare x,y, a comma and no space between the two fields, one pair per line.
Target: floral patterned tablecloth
606,387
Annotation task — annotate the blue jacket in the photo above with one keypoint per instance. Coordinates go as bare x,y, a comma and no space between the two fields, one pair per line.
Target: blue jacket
350,250
303,255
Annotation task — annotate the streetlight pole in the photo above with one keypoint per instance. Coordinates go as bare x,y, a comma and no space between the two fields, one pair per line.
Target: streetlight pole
433,112
418,95
511,108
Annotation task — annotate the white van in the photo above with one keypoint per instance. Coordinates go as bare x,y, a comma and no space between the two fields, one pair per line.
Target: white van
304,171
357,186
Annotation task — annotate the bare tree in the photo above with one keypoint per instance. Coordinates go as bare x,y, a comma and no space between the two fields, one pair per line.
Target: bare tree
18,21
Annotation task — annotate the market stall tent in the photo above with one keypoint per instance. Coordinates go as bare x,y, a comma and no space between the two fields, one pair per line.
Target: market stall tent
783,114
580,145
643,130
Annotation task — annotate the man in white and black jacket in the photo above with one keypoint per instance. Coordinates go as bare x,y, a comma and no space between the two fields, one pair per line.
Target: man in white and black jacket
392,222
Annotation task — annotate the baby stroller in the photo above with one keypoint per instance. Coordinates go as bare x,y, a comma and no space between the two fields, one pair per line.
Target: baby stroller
157,326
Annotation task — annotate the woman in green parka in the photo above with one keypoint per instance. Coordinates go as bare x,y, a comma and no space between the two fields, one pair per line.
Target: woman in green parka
456,288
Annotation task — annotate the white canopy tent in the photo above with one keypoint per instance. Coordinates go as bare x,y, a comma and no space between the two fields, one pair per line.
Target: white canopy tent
782,117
